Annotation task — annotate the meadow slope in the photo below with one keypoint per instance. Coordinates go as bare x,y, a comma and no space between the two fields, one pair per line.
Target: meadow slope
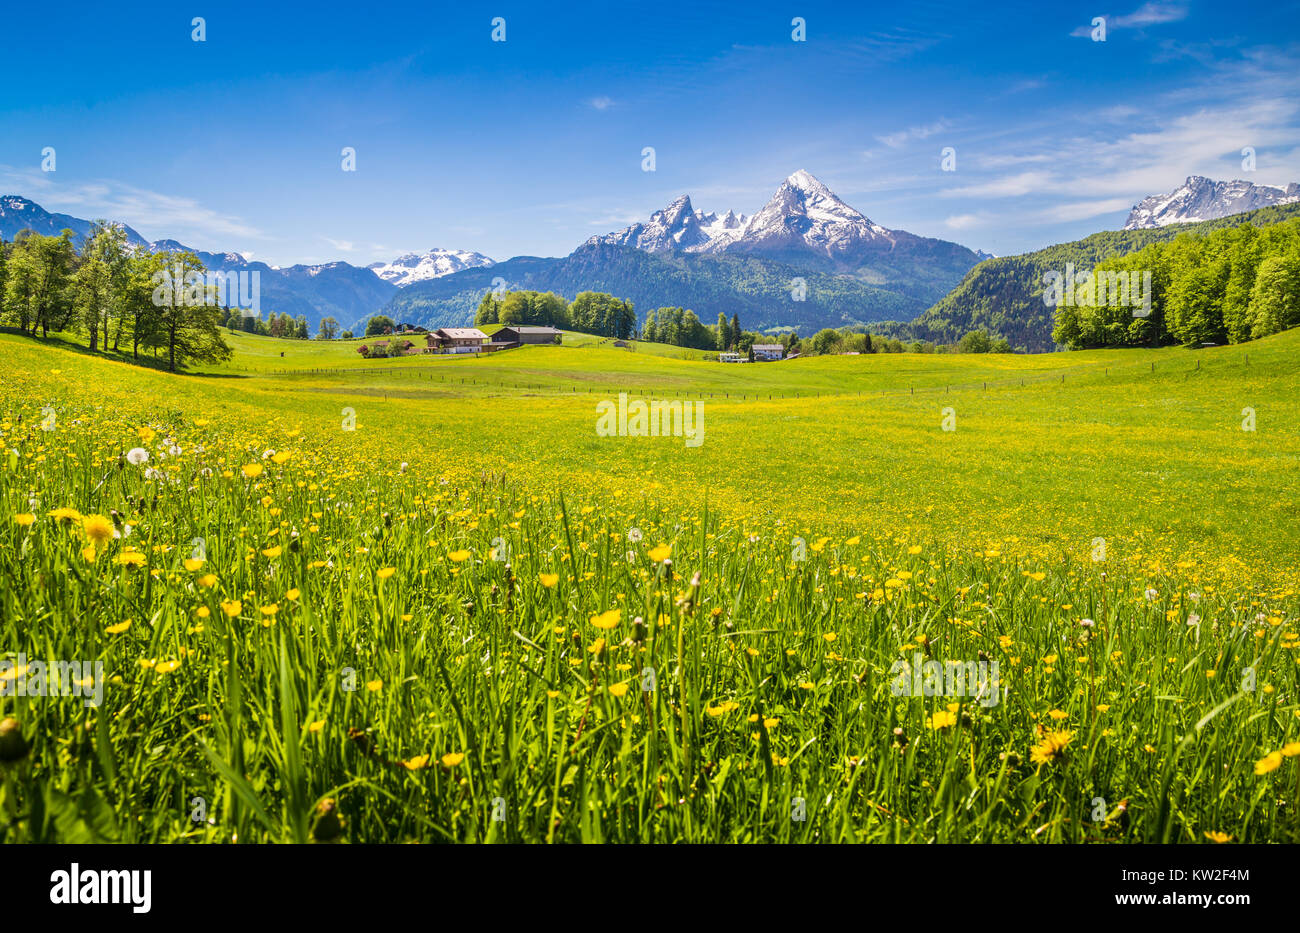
423,599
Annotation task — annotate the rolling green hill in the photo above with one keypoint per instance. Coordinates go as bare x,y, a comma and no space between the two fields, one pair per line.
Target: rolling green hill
1005,295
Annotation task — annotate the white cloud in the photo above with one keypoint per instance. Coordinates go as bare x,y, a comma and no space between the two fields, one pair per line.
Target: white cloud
601,103
153,214
1008,187
1082,210
1148,14
902,137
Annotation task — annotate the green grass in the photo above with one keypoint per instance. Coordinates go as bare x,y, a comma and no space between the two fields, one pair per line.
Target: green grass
772,677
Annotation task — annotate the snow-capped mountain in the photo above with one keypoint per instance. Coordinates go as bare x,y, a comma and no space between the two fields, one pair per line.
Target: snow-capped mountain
677,227
805,216
1201,198
729,225
803,223
416,267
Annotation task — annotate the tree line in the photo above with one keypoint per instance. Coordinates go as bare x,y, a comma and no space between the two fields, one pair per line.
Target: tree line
589,312
110,295
1230,286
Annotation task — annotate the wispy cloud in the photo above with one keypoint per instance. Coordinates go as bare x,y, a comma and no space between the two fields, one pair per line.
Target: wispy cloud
1148,14
153,214
600,103
1008,187
903,137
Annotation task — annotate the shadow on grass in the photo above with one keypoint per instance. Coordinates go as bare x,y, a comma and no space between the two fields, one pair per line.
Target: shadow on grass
63,341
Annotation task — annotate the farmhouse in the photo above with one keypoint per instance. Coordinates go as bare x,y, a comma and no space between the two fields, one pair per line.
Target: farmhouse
768,351
526,334
732,358
456,340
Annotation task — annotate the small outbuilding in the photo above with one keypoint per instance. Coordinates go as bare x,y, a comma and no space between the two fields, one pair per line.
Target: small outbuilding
527,334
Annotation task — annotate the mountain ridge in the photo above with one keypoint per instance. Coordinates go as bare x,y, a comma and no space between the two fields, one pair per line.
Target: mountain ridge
1201,198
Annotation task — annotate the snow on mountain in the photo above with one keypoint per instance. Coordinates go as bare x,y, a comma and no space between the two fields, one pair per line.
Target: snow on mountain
802,216
677,226
719,229
805,215
1201,198
415,267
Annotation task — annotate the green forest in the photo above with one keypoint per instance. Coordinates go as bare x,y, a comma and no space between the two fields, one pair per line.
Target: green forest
1232,285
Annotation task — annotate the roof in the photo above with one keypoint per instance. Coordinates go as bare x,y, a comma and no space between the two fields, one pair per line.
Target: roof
463,333
768,346
531,329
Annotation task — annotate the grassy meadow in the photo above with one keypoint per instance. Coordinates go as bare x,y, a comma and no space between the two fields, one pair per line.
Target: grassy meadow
422,600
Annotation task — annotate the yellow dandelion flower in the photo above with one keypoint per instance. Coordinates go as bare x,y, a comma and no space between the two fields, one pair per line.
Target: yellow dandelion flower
25,519
98,529
1269,762
252,470
457,557
1050,747
386,572
232,607
606,620
618,690
119,628
451,759
661,553
548,580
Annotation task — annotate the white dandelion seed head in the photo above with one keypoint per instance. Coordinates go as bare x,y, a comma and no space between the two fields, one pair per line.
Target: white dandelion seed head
137,456
1151,594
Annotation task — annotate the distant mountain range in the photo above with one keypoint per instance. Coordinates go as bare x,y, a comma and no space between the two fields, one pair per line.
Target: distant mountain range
334,289
417,267
1200,198
805,260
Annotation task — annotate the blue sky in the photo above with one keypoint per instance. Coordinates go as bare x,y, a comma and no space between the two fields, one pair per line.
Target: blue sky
529,146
